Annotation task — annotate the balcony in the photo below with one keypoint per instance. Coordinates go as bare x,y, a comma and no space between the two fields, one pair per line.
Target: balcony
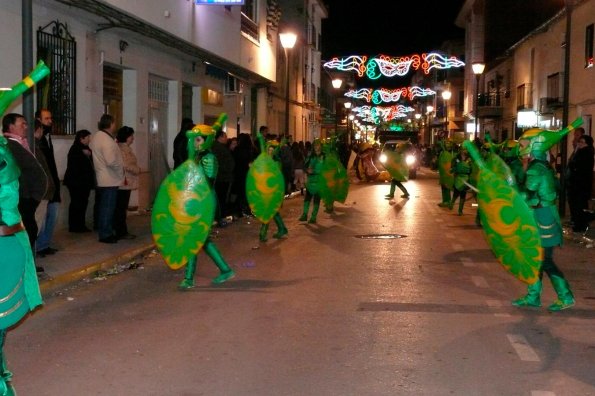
489,105
550,105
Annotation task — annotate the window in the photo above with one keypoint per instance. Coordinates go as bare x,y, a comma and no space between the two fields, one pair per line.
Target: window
553,86
250,19
57,93
589,46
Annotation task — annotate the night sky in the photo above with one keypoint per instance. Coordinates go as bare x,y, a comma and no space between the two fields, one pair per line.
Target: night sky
390,27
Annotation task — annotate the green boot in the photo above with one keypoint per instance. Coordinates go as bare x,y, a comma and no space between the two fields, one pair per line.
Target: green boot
6,388
533,297
188,282
226,272
565,297
461,206
304,215
391,194
281,229
314,213
264,230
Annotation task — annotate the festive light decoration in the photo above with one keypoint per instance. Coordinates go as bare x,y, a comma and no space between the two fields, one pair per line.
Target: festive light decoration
385,95
377,114
384,65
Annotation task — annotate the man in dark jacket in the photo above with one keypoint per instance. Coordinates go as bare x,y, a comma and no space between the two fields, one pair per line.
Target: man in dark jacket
224,178
33,180
45,144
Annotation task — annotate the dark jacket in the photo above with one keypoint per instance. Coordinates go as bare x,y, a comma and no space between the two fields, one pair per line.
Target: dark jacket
79,168
33,181
579,172
46,146
225,160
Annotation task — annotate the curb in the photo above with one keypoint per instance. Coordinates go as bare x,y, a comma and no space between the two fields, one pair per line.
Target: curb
59,281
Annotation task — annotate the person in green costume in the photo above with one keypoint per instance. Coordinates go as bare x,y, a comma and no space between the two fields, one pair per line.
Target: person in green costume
446,178
461,169
200,140
19,287
510,154
271,147
541,193
313,165
396,164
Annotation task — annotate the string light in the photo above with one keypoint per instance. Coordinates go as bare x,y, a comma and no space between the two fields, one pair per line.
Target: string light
384,65
386,95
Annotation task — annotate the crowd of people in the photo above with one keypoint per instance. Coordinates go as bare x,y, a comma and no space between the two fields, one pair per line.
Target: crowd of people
103,162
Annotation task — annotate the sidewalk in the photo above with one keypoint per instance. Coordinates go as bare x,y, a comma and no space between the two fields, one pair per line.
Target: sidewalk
81,255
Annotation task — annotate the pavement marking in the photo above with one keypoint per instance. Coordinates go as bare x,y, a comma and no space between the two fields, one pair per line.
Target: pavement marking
467,262
522,348
542,393
497,304
457,246
480,281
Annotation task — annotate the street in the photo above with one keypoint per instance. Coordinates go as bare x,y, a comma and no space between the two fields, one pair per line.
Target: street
330,310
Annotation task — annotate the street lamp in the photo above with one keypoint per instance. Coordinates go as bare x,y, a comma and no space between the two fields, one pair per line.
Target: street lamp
446,95
429,110
337,83
288,40
478,69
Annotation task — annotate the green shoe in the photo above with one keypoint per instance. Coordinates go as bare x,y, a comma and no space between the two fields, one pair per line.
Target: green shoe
224,276
560,305
389,196
312,220
405,196
533,297
279,234
527,301
444,204
186,284
303,217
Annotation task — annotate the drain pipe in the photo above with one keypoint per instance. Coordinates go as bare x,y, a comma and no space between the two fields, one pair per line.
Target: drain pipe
27,62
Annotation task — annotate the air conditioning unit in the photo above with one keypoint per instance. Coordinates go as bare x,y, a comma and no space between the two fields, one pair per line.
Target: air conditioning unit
233,85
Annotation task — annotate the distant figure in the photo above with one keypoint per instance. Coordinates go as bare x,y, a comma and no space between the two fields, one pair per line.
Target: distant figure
125,137
579,182
79,178
109,171
180,142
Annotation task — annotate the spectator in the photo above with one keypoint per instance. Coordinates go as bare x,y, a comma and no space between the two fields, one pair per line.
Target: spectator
579,182
46,232
41,212
181,143
109,171
79,178
299,175
286,159
243,155
32,181
125,138
224,179
232,143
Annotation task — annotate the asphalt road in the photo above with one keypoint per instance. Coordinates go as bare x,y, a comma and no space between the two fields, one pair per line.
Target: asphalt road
322,312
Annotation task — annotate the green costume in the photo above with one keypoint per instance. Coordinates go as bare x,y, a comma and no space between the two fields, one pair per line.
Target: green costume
334,184
265,187
19,287
444,170
461,169
396,165
185,207
540,189
313,166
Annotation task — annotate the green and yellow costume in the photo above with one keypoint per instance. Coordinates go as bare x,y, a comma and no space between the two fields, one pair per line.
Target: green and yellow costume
19,287
185,207
265,187
396,166
313,166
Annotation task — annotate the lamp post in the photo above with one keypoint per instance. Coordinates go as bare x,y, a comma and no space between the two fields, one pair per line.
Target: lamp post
429,110
288,40
478,68
337,83
446,95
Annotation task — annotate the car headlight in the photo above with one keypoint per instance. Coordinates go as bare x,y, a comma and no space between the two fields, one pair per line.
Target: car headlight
383,158
410,159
